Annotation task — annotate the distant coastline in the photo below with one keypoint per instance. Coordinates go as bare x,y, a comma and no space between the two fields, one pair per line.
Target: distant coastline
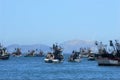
68,46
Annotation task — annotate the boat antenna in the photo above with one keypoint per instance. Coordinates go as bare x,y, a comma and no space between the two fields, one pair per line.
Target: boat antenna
111,44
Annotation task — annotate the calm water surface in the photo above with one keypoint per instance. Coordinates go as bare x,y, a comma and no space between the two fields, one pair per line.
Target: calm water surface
34,68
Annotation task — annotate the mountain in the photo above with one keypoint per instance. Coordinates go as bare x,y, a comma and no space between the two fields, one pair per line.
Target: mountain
68,46
25,48
71,45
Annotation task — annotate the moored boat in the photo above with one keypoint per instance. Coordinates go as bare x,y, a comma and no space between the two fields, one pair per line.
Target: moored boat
56,56
17,52
34,54
4,57
91,56
108,62
106,59
3,54
74,57
84,52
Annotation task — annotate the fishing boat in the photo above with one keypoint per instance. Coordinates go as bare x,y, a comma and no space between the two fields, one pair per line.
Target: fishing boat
74,57
91,56
55,56
106,59
17,52
34,54
84,52
3,54
4,57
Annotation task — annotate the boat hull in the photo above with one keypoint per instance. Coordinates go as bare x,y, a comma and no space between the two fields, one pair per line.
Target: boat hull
5,57
91,58
75,60
108,62
52,61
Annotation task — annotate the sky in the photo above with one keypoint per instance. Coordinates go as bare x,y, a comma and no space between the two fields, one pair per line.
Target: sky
50,21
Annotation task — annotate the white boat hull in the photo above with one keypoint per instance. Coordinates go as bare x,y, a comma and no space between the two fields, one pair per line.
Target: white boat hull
91,58
108,62
52,61
77,60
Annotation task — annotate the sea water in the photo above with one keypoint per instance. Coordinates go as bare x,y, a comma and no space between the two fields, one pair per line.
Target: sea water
34,68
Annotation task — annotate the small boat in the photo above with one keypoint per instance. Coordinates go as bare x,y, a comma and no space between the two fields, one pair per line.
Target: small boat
84,52
91,56
3,54
74,57
17,53
56,56
33,54
40,54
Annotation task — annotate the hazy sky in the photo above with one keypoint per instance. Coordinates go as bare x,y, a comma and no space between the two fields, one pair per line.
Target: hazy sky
49,21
